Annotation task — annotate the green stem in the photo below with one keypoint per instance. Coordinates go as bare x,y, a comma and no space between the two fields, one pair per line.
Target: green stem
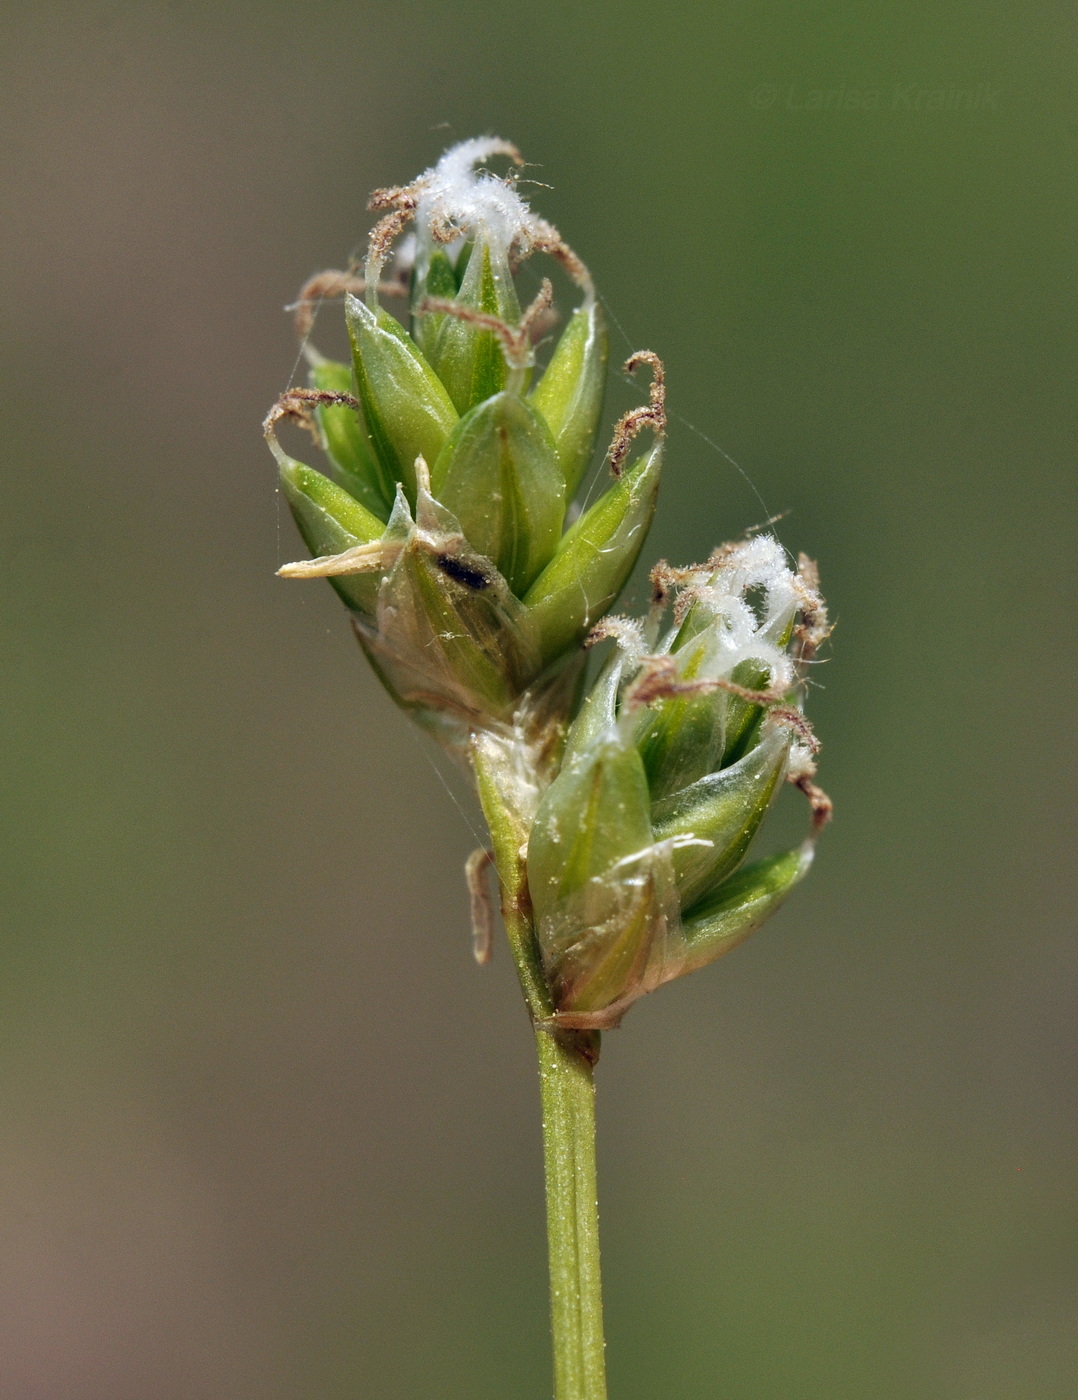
567,1090
572,1214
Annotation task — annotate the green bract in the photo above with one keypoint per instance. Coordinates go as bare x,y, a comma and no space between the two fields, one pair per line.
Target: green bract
498,473
723,811
437,278
570,393
354,464
467,358
620,815
595,558
332,522
594,903
407,410
741,904
667,892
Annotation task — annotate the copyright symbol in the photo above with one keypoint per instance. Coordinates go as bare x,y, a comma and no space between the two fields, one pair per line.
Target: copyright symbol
763,96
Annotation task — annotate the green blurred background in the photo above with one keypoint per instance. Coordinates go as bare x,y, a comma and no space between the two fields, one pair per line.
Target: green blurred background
267,1133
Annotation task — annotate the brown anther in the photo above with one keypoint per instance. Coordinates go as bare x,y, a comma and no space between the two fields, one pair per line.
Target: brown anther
744,692
719,556
541,303
482,905
690,595
394,197
299,405
324,286
795,720
543,237
626,631
650,415
320,287
657,680
673,576
543,324
444,230
808,571
402,202
384,233
813,628
821,805
752,530
663,580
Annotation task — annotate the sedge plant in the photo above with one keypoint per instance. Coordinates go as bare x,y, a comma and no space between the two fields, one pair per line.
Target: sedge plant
620,811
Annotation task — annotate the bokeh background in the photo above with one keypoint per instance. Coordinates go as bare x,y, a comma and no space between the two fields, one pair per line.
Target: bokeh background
266,1133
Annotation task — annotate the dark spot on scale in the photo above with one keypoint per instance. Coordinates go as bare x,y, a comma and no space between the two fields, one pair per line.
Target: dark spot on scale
462,573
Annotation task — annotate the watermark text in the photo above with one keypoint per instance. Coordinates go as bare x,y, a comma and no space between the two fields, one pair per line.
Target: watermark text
893,97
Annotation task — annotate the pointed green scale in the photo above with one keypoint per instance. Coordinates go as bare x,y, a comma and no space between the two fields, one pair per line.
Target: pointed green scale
498,473
692,735
593,904
599,711
354,463
683,737
725,808
331,521
593,815
741,904
570,393
438,279
468,360
743,718
594,559
407,411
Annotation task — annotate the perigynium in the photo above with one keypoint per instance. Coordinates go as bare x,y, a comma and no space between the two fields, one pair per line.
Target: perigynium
621,811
